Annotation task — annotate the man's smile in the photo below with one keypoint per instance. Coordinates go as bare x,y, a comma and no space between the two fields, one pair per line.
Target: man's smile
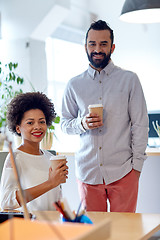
98,56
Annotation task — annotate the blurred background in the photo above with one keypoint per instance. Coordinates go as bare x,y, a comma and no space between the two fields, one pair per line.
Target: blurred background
46,38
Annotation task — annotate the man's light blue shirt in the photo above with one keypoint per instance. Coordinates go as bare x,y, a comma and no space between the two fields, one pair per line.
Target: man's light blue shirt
109,152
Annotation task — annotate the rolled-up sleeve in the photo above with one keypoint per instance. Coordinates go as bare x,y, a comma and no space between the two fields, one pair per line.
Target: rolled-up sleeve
71,121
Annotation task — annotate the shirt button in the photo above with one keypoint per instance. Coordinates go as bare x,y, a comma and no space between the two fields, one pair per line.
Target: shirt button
101,164
100,130
100,98
100,81
100,148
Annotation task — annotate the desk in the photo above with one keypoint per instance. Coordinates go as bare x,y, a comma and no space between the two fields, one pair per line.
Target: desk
124,226
153,151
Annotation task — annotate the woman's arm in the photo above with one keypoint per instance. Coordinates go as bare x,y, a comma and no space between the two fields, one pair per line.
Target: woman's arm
56,177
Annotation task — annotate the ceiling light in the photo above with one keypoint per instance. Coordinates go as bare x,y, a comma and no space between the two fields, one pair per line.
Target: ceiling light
141,11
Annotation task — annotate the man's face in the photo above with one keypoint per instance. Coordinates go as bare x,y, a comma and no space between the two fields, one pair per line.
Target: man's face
98,48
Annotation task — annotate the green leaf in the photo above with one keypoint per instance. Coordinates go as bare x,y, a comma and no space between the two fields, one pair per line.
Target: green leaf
7,89
10,76
13,76
10,66
57,119
15,65
19,80
51,127
10,87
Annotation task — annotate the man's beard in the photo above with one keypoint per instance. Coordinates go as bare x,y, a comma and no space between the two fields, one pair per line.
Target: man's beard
99,63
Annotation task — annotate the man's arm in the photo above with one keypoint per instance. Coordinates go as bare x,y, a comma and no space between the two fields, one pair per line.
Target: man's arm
139,125
71,121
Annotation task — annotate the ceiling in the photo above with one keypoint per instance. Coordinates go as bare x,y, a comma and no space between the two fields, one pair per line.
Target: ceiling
39,19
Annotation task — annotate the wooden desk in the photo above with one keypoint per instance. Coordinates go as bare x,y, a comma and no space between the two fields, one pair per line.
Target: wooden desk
124,226
153,151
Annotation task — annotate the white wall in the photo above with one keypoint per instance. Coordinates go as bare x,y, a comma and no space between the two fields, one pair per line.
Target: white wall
70,189
16,51
137,47
149,190
31,57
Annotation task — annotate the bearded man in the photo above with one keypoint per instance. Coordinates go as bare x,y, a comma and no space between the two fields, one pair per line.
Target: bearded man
112,152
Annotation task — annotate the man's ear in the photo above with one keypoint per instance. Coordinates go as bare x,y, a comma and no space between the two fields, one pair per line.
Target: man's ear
18,129
112,48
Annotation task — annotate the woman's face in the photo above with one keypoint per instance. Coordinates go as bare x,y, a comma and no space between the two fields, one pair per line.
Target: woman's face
33,126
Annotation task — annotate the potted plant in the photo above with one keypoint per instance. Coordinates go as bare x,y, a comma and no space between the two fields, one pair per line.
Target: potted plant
156,127
10,85
47,141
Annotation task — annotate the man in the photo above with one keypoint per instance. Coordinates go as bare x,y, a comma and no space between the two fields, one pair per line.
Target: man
111,154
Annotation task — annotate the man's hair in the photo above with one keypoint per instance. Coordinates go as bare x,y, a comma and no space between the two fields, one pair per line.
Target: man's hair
25,102
100,25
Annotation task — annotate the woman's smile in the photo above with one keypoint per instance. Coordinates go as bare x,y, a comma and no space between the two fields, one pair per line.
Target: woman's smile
37,134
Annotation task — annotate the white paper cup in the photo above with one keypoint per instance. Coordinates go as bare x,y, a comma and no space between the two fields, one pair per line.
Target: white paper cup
55,160
96,108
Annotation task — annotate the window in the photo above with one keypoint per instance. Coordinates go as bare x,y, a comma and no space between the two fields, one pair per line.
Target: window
64,61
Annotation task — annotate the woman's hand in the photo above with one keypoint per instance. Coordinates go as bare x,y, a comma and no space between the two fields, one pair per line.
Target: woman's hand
58,175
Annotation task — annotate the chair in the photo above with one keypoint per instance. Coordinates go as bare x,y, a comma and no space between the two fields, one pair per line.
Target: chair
2,159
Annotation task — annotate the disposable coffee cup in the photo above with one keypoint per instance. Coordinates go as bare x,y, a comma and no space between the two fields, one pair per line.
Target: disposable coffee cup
56,160
96,108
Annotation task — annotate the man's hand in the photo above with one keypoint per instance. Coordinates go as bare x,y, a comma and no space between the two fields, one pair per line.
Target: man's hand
91,121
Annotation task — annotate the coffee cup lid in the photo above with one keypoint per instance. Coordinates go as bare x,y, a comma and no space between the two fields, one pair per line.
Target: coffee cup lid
95,105
57,157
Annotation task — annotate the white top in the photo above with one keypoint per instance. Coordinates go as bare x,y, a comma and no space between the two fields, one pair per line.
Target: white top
33,170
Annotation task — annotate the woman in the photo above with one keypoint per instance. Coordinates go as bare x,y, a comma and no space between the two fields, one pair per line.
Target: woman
28,116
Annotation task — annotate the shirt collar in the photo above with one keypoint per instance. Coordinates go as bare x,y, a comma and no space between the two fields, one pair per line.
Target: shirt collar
108,69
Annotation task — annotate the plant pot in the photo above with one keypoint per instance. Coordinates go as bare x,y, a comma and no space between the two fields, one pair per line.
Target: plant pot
47,141
18,141
1,143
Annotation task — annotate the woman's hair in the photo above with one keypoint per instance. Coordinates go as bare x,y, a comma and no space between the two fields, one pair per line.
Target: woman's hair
25,102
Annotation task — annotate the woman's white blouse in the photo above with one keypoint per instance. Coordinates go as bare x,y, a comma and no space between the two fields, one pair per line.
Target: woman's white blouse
33,170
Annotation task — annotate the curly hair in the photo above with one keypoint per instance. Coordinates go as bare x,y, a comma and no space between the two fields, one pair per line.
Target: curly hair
26,101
